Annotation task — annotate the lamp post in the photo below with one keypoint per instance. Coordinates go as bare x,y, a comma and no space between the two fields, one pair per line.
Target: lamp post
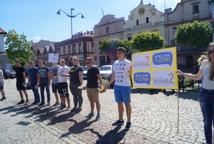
71,15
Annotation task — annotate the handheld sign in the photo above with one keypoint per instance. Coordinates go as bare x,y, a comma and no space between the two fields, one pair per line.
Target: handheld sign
53,57
155,69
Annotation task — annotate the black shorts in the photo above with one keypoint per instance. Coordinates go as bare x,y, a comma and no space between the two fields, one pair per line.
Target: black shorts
54,87
63,89
19,87
1,87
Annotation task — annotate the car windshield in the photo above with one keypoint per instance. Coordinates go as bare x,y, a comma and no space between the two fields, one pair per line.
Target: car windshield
7,66
105,68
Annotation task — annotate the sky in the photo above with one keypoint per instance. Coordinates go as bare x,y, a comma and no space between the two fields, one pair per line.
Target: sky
37,19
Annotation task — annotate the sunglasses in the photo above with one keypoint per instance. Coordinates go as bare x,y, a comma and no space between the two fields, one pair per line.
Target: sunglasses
87,62
211,51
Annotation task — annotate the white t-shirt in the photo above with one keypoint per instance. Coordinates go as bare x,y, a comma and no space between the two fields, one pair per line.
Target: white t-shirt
206,82
62,70
121,69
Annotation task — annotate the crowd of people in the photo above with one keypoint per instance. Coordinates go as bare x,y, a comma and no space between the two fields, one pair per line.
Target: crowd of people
42,77
39,78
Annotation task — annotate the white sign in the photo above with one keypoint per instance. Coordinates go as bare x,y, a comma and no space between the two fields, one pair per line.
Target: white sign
53,57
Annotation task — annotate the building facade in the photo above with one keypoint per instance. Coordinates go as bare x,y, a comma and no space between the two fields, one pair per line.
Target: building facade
41,50
80,45
2,35
186,11
145,17
3,55
109,28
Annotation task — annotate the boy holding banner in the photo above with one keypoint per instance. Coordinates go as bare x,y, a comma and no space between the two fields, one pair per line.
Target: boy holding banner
122,88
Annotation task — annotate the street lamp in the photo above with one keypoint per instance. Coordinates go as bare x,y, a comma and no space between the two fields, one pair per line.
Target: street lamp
71,15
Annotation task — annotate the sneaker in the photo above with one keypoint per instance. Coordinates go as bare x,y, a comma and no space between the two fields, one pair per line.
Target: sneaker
74,109
128,125
98,117
56,104
21,102
62,106
27,102
41,104
68,108
48,104
79,109
90,115
3,98
118,122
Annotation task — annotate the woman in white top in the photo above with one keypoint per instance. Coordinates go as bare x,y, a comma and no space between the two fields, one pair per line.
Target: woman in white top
206,97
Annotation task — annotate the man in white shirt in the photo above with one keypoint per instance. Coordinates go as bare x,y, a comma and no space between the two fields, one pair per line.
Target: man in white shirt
62,85
122,86
2,85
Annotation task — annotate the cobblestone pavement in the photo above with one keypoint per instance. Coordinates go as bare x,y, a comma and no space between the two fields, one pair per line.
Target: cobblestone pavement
154,120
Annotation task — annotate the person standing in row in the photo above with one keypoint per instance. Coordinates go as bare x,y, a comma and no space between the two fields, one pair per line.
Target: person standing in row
92,87
34,79
54,70
62,85
206,96
122,86
76,80
45,78
21,81
2,85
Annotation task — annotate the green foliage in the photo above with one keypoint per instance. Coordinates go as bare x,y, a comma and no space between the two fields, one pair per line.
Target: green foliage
109,45
196,34
18,47
145,41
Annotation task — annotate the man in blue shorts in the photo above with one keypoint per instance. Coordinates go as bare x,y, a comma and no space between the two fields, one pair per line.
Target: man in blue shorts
122,87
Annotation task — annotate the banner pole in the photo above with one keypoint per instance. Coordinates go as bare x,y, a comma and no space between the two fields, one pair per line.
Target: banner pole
178,111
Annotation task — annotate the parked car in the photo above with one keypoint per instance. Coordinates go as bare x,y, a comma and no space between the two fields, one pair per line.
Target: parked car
9,71
106,72
85,71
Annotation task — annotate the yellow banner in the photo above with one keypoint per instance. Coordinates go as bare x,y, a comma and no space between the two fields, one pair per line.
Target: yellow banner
155,69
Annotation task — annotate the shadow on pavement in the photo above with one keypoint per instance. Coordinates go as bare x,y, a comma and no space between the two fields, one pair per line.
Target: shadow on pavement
113,136
79,127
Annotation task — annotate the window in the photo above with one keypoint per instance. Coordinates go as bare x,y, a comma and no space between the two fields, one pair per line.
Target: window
195,9
147,19
107,29
73,49
129,38
137,22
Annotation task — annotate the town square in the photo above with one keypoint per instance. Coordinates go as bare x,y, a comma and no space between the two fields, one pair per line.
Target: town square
107,72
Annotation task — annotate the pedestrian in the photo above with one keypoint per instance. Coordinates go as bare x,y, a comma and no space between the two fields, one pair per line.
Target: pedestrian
76,80
21,81
45,78
92,87
34,79
122,86
2,85
54,70
62,85
206,96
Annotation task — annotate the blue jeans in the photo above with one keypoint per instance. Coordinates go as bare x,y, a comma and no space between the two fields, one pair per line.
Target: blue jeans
42,89
36,94
206,98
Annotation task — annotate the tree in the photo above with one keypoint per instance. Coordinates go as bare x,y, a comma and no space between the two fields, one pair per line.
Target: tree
195,34
108,45
17,46
145,41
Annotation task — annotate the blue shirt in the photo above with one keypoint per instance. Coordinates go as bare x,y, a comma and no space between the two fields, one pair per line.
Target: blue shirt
32,72
43,73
